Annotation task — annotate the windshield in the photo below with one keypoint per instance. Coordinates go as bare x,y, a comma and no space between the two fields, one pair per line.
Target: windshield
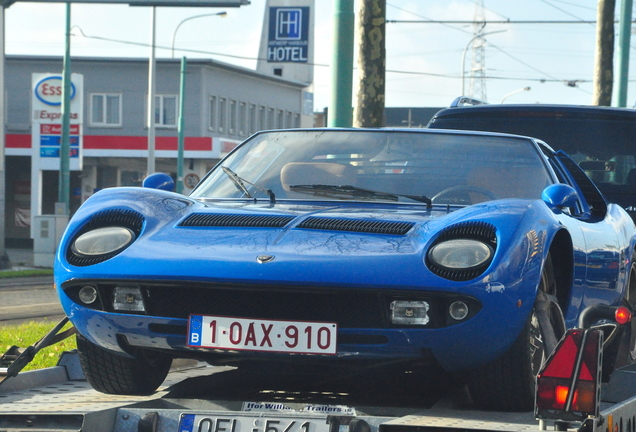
380,165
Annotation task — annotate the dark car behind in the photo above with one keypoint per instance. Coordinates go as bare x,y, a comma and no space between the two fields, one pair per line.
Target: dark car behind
601,140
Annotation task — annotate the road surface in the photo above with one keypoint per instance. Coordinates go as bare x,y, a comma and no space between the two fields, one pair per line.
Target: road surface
27,299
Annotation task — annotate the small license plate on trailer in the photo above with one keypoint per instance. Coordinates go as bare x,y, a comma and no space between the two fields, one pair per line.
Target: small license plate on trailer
211,423
244,334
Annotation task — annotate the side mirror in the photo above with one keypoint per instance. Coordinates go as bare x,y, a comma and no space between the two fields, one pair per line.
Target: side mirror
558,196
159,181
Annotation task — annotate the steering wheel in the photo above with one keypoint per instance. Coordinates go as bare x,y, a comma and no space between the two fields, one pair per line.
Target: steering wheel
456,190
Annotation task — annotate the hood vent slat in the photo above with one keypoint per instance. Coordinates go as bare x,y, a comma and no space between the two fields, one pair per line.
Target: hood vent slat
234,220
357,225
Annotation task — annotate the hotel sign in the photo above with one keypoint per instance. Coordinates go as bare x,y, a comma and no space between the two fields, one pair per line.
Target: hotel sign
288,35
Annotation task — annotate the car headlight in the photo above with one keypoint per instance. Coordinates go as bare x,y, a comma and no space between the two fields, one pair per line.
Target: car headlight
103,241
460,254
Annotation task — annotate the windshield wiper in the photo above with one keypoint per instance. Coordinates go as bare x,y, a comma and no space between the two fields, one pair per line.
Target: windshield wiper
239,182
320,189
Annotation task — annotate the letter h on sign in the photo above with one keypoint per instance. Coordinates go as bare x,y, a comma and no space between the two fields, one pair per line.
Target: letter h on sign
288,24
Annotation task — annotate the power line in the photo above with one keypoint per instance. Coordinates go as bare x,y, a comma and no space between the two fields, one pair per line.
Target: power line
423,17
491,22
570,4
562,10
325,65
141,44
507,21
569,83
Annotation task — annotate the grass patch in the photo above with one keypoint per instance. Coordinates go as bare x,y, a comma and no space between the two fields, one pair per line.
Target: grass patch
25,273
24,335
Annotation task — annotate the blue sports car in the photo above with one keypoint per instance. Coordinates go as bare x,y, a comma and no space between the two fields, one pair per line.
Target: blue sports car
466,251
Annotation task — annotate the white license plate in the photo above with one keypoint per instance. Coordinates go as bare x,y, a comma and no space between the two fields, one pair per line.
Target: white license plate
211,423
262,335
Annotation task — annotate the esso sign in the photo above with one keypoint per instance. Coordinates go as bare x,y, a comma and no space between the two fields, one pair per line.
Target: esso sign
49,90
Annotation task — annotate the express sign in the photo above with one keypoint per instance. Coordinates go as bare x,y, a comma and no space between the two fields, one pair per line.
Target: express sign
49,90
46,121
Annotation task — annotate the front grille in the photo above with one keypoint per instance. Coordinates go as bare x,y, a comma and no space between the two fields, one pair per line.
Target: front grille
359,308
235,220
357,225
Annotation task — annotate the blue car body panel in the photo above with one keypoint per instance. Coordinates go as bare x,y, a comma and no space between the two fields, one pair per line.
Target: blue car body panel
346,261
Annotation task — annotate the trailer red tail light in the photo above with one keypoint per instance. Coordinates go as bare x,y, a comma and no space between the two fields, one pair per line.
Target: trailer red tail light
568,386
561,395
623,315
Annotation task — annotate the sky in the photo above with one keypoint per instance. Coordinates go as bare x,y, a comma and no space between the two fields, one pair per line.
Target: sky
424,59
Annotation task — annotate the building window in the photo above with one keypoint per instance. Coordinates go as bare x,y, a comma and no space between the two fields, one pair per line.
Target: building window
105,109
232,117
242,114
296,120
222,114
166,110
262,118
279,119
271,118
288,120
212,124
253,119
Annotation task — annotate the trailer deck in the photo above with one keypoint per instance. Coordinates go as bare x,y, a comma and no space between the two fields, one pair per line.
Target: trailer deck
60,399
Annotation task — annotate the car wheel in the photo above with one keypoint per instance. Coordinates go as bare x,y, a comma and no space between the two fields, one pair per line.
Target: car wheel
111,373
508,383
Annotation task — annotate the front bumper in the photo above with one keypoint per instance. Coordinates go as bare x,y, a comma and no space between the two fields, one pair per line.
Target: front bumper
363,315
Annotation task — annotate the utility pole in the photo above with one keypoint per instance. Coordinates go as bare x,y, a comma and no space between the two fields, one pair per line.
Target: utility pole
369,110
63,194
181,126
342,64
152,76
603,62
622,69
5,263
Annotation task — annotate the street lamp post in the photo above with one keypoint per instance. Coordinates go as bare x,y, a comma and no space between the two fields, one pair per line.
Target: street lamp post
221,14
480,35
514,92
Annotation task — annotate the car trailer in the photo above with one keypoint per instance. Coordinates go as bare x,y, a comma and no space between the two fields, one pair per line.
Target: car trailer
60,399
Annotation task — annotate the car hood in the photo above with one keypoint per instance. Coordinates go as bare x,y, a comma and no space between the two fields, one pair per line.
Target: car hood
288,242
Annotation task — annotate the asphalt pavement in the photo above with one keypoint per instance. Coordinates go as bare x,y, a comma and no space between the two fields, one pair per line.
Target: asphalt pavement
27,298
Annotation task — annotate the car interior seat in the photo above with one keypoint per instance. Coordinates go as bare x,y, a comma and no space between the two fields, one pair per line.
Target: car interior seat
508,182
631,177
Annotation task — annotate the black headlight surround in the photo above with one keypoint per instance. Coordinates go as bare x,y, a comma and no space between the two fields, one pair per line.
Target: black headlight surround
480,231
130,219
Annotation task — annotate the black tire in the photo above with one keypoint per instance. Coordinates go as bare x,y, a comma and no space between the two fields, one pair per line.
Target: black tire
508,383
110,373
626,354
